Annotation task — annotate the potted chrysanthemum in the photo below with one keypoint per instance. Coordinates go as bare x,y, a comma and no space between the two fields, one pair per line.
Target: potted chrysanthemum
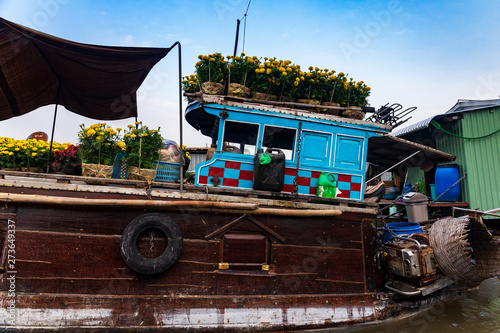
99,146
143,150
212,72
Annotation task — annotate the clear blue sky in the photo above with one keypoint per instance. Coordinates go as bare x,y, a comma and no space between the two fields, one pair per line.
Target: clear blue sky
426,53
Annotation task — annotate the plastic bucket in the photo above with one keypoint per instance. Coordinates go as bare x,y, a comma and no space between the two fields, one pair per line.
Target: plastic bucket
446,176
400,228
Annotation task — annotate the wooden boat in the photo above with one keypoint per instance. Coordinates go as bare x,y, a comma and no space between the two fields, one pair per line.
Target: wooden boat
220,254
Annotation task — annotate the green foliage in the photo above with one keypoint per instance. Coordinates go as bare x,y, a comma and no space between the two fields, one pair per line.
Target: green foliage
99,144
31,153
142,145
279,77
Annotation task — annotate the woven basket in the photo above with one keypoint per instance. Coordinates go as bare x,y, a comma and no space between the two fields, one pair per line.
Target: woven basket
464,249
212,88
97,170
264,97
238,90
134,173
354,113
330,111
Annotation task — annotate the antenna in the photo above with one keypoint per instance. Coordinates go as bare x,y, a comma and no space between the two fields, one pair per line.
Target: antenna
238,30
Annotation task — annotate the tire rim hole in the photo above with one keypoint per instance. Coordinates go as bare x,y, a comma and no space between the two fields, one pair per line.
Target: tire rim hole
152,243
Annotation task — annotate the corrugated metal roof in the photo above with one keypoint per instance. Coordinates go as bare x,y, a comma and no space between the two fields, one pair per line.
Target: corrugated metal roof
472,105
414,128
460,106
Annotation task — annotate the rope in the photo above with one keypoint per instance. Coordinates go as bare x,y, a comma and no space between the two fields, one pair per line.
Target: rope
449,188
438,126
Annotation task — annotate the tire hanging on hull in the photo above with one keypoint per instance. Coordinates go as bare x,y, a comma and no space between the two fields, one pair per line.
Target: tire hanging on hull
133,257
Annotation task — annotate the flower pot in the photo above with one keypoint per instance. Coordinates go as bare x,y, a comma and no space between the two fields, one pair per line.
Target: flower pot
286,99
264,97
97,170
238,90
134,173
31,169
330,111
354,112
310,102
212,88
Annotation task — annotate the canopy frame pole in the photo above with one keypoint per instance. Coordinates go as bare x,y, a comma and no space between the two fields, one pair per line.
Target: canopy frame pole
53,130
392,167
181,174
52,138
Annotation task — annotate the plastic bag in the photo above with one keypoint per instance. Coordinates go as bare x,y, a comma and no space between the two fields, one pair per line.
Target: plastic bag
170,152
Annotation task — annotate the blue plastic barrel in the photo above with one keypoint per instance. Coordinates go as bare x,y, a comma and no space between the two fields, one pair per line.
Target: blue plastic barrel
446,176
400,228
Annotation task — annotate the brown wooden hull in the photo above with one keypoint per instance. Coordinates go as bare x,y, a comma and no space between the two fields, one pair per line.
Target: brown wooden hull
315,272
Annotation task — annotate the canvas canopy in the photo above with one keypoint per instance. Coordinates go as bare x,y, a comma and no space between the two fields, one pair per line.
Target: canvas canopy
98,82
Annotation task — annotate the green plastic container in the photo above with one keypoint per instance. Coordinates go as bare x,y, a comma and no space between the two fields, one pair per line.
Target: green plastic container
433,192
327,185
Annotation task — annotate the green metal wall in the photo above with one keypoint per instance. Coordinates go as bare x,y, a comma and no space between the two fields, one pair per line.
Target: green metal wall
480,159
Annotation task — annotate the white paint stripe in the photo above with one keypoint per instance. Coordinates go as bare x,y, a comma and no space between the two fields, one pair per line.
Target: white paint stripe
60,317
193,318
251,317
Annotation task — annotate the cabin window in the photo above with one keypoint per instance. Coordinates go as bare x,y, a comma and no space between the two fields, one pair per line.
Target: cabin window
315,149
240,137
280,138
349,152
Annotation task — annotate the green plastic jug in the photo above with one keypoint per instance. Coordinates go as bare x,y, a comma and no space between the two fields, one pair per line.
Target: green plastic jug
327,185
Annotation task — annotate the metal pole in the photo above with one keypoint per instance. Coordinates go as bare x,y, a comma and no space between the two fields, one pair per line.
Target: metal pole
181,176
392,167
52,138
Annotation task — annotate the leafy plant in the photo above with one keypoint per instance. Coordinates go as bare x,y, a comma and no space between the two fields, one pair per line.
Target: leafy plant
31,153
242,68
68,161
190,84
279,77
99,144
211,68
142,146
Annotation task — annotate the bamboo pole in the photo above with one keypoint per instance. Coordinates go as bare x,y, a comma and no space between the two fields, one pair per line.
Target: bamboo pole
71,201
284,212
223,207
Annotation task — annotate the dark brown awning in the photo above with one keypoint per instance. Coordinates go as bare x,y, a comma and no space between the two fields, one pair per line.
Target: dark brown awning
98,82
388,150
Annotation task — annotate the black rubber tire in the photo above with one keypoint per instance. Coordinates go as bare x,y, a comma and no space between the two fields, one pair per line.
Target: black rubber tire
128,244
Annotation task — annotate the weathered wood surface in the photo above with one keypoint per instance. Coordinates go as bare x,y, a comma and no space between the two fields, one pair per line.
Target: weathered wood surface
319,269
184,312
77,183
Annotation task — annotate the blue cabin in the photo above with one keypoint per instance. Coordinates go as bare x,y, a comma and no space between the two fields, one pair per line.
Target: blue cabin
312,143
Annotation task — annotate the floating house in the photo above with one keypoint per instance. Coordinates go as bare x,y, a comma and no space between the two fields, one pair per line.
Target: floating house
470,130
